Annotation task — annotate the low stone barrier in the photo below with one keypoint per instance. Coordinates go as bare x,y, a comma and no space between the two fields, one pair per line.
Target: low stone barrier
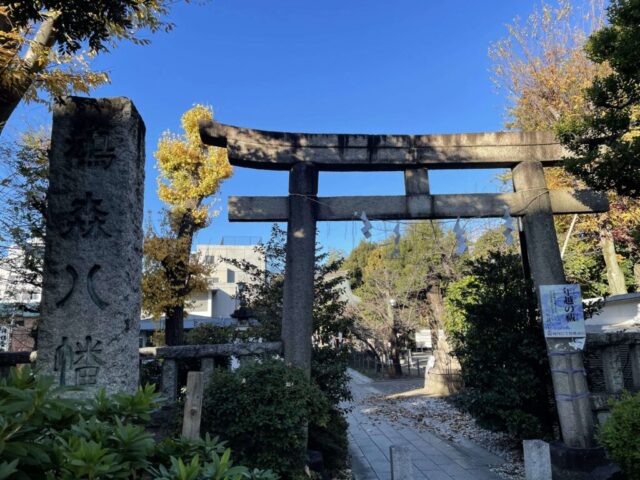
206,353
612,362
170,357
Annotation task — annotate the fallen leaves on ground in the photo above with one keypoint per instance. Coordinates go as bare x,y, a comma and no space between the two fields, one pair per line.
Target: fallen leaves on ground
442,418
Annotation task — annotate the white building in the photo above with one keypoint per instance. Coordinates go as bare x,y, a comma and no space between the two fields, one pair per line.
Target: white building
618,313
19,300
221,300
13,288
216,305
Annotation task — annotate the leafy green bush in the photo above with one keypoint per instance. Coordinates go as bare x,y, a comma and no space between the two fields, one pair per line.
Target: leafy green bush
329,372
44,434
262,409
620,434
331,440
496,333
211,334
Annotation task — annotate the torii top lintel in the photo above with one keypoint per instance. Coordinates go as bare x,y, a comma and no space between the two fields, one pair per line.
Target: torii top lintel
354,152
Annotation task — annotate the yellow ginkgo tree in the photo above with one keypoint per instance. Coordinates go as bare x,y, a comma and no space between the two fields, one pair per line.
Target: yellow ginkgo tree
190,175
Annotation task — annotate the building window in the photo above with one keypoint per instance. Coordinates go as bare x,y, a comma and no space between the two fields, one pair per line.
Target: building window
231,276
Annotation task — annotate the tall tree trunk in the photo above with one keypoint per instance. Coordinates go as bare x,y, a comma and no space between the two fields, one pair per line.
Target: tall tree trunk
174,325
178,277
397,366
615,276
33,62
636,275
394,340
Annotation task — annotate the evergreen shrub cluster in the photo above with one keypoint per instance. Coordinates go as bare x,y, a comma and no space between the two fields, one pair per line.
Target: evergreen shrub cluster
262,409
45,434
496,333
329,373
620,434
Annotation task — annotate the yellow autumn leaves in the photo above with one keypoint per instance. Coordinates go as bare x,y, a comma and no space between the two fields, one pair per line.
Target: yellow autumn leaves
190,172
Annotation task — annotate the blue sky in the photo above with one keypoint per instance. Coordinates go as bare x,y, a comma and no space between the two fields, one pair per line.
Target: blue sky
352,66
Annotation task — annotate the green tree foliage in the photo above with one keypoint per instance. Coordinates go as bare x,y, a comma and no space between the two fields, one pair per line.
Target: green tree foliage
619,434
606,139
493,325
206,334
23,191
41,43
45,434
356,263
190,175
263,294
262,409
492,240
401,292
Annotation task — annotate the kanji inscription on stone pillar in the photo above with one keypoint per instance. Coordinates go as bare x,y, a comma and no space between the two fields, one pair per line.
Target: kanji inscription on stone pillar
88,334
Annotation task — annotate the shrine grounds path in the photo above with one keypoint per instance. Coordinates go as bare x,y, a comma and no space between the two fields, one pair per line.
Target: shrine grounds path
433,458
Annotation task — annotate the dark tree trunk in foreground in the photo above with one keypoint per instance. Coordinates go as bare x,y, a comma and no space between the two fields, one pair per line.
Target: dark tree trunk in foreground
174,326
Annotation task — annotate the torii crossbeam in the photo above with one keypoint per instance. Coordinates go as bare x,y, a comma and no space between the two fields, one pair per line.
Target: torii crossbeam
304,155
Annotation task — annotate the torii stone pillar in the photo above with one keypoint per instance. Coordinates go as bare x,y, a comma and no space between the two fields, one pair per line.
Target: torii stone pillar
88,334
567,367
297,314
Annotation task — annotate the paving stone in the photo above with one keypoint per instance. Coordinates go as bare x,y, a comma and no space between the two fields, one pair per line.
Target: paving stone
432,457
424,464
437,475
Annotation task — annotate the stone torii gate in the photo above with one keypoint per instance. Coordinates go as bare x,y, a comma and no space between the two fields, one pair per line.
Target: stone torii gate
304,155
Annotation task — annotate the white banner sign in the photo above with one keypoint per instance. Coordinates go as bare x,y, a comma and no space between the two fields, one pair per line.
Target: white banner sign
562,313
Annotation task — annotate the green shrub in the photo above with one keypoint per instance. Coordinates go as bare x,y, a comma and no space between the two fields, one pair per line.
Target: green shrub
211,334
262,409
44,434
329,372
620,434
151,372
493,324
331,440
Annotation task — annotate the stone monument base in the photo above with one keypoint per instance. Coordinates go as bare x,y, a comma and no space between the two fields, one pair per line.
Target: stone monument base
569,463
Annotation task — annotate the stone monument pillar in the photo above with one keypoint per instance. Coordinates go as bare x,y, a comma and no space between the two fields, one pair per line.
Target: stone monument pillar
88,334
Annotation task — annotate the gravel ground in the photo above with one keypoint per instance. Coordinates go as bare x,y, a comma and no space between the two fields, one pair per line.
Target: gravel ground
445,420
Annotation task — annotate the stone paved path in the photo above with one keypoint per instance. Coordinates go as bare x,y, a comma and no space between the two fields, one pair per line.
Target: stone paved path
433,458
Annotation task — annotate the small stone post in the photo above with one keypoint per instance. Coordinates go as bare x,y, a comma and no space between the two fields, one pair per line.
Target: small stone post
169,382
88,334
567,366
537,460
297,314
207,367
